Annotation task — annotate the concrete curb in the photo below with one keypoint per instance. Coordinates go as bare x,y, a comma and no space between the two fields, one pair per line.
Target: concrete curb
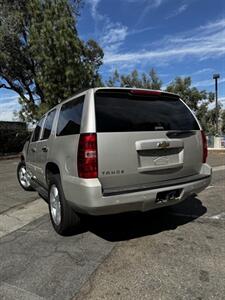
216,149
9,157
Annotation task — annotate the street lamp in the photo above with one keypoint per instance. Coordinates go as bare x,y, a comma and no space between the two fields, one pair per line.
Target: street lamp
216,77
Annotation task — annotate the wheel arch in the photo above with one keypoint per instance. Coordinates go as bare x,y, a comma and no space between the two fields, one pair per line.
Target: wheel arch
51,168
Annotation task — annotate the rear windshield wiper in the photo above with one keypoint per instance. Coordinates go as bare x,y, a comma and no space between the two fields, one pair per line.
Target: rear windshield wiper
179,134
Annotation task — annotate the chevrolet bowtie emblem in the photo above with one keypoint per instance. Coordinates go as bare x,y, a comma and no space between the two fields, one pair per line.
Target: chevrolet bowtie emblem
163,144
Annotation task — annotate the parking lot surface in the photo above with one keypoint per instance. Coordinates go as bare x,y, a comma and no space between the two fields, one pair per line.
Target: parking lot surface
11,193
176,253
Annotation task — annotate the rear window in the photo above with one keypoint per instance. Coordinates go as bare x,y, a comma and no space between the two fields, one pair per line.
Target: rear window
70,117
123,112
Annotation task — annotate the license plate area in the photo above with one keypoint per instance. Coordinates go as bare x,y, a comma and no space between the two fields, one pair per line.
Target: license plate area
159,157
168,196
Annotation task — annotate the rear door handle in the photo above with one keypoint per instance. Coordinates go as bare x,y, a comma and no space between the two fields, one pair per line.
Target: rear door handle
45,149
33,149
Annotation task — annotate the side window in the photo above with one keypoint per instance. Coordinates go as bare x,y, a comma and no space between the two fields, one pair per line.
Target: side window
48,125
70,117
37,130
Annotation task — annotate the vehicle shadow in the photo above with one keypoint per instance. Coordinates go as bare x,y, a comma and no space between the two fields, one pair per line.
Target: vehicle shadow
127,226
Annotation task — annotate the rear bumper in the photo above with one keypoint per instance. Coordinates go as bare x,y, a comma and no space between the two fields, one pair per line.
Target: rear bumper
87,197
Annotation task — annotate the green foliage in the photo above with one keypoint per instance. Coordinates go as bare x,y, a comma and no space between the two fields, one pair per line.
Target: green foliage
15,63
190,95
146,81
197,100
41,55
223,121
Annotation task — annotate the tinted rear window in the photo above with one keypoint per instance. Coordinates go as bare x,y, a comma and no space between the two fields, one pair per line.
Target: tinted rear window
70,117
123,112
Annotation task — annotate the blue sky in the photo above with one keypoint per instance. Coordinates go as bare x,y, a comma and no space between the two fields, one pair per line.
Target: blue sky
176,37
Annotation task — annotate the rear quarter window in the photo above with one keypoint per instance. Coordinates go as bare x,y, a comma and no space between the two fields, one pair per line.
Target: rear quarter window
48,124
124,112
70,117
37,130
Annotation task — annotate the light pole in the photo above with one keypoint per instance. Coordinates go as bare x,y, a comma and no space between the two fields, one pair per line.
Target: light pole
216,77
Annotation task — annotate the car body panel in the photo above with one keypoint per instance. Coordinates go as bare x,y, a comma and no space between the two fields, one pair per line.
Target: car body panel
151,165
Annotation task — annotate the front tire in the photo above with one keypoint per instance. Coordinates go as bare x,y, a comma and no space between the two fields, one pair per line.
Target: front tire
23,177
63,218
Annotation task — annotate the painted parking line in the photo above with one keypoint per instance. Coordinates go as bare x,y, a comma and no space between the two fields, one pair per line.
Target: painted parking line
219,168
220,216
209,187
15,218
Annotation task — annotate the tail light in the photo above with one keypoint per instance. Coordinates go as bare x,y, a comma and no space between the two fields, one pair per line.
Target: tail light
145,92
204,147
87,162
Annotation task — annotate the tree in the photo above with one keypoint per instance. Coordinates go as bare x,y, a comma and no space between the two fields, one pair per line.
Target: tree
147,81
41,55
223,121
197,100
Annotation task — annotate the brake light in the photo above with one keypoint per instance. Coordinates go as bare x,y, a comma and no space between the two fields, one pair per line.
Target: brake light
204,147
87,162
144,92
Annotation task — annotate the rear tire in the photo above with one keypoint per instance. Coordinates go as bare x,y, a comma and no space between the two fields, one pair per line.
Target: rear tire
63,218
23,177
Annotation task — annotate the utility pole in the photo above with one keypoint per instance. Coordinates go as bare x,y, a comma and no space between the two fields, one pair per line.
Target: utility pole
216,77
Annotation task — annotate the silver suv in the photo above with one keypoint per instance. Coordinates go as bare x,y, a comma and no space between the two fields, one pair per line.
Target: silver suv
113,150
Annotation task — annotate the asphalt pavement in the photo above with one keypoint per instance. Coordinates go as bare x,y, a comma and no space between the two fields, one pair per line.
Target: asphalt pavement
11,194
176,253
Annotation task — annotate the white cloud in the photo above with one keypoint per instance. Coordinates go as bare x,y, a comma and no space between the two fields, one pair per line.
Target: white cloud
114,33
150,3
113,36
178,11
182,8
208,82
6,116
205,70
7,107
5,98
94,12
203,42
155,3
166,54
140,30
222,99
